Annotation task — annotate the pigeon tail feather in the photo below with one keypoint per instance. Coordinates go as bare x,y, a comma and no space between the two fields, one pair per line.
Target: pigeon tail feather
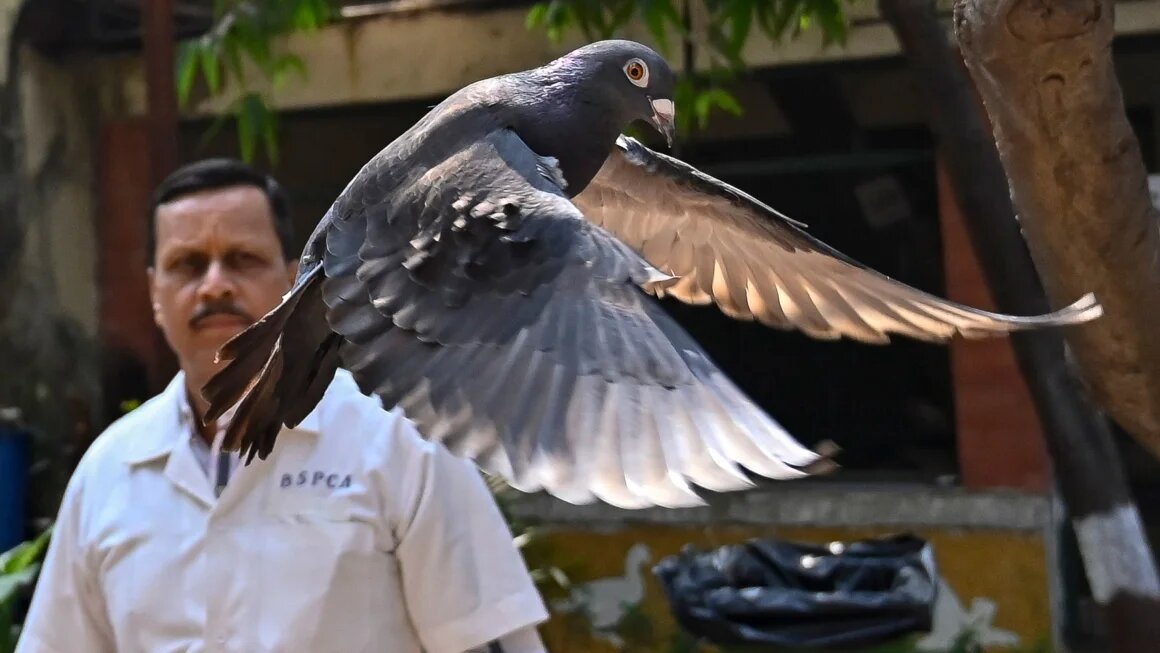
278,370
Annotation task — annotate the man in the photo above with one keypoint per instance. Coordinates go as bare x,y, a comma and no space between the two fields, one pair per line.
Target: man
376,541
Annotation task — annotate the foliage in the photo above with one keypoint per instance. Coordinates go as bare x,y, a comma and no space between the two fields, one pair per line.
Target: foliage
244,31
242,35
551,578
727,27
18,569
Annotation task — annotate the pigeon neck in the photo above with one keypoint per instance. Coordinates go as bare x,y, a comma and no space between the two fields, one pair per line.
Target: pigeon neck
579,132
585,155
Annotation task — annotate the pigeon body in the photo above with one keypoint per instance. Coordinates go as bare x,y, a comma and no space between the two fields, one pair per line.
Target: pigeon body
490,272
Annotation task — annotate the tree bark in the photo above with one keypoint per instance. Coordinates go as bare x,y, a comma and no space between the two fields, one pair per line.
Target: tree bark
1044,71
1087,467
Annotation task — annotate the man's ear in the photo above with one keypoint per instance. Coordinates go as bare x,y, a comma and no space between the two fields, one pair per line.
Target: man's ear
149,273
292,270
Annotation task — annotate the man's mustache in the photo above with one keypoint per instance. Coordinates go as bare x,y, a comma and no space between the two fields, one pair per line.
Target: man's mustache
218,308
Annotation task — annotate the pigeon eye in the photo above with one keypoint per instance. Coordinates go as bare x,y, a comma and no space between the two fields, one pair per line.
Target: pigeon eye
637,72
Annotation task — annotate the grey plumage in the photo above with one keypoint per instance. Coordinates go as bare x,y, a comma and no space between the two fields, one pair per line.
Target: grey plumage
490,272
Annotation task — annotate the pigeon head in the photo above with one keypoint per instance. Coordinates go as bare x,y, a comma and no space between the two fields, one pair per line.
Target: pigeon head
574,108
633,82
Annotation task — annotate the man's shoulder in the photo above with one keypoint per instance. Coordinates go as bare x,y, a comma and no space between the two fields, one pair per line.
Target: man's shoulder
344,394
345,412
119,443
344,407
120,438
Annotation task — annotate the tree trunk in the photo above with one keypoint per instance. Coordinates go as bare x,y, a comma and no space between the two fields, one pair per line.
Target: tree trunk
1087,467
1044,71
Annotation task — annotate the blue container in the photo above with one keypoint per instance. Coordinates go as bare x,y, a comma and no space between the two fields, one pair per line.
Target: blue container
13,486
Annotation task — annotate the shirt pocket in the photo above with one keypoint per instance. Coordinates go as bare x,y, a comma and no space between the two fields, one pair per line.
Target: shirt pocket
327,582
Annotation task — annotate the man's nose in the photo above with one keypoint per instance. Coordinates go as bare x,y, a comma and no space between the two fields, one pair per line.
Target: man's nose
217,281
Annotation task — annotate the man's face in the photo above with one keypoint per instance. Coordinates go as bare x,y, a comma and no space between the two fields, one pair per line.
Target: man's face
218,267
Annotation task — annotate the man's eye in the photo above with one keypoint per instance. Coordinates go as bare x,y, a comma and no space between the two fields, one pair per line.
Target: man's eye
245,259
185,264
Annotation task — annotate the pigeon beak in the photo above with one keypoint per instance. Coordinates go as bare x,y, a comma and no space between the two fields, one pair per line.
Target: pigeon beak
664,118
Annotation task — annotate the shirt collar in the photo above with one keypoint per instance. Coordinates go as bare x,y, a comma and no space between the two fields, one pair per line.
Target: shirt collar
171,420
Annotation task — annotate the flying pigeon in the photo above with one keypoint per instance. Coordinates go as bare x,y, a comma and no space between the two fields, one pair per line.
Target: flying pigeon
493,271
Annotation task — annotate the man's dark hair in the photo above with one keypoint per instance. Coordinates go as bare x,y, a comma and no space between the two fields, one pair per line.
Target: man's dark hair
219,173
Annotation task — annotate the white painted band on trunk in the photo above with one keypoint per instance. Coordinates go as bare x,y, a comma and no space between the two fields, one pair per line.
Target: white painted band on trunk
1116,555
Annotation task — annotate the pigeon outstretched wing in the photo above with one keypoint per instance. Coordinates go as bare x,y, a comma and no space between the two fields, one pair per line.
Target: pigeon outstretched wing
478,298
455,278
754,263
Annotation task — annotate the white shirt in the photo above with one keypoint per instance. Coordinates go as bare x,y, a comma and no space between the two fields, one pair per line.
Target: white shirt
354,535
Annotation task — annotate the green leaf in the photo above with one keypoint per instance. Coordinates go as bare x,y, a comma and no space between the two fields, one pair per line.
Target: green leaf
270,132
310,15
257,125
832,21
233,57
13,582
19,566
537,15
622,14
284,66
587,16
186,64
25,554
255,43
720,42
724,100
656,13
246,130
328,9
684,99
701,107
211,68
556,17
781,19
740,13
602,23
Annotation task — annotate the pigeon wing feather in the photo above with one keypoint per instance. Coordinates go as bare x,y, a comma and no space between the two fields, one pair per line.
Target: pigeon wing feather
518,334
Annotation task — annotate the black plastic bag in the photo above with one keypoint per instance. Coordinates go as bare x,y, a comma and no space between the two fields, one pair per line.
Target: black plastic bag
795,595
